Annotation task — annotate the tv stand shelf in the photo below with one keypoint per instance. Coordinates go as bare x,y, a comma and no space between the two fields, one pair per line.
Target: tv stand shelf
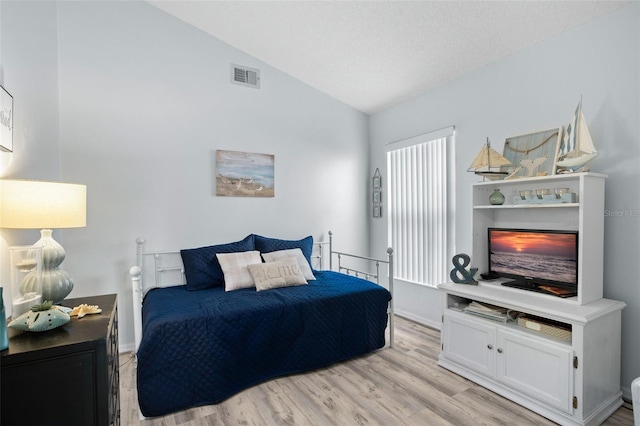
529,206
539,304
570,379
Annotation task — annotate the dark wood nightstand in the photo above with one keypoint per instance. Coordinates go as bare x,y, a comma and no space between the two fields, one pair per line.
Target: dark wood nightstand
65,376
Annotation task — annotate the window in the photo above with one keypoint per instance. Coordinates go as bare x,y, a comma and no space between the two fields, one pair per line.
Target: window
420,188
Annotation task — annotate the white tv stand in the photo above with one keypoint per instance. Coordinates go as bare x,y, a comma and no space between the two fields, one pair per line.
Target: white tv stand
573,380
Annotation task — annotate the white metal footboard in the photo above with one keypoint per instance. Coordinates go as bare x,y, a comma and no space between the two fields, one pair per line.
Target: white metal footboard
370,276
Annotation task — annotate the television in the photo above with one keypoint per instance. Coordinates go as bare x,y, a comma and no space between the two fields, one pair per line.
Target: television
545,261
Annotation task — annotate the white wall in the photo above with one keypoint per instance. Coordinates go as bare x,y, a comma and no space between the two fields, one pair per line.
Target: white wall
29,71
531,90
144,102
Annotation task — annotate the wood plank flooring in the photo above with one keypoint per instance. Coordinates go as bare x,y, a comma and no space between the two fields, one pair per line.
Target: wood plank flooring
399,386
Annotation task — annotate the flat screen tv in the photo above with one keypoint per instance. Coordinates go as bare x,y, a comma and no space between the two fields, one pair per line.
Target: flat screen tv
538,260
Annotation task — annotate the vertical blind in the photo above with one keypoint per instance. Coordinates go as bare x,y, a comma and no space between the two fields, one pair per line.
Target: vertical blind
417,202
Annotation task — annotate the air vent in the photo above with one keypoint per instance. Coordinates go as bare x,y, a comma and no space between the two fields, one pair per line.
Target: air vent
245,76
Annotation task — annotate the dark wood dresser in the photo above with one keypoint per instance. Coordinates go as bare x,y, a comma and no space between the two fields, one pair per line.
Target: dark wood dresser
65,376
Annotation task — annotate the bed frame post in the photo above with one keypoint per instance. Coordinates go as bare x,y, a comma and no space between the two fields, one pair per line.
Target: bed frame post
391,311
330,250
136,288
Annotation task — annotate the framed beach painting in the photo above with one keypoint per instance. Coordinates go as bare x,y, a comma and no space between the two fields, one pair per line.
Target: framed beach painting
6,120
244,174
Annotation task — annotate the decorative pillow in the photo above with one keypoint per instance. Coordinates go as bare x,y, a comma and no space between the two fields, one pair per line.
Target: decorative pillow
267,245
234,266
201,267
296,253
285,273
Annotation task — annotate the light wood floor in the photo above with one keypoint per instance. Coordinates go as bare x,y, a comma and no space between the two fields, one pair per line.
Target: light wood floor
399,386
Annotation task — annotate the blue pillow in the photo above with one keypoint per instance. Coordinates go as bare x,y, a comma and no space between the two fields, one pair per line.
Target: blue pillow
267,245
201,266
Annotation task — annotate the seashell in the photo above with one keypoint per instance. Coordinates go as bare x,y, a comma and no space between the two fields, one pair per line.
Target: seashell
84,309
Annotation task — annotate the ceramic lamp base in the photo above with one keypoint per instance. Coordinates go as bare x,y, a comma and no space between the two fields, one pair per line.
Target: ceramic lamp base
56,283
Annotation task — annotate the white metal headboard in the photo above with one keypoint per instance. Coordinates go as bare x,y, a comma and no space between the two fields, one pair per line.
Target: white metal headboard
157,269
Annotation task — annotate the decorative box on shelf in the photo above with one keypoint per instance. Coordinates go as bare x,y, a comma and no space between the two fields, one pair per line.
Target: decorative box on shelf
544,197
562,332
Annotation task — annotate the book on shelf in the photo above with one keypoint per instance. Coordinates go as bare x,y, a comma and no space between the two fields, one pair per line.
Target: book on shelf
492,312
558,291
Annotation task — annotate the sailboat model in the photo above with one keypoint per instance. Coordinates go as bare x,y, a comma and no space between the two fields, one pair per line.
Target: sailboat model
576,148
488,163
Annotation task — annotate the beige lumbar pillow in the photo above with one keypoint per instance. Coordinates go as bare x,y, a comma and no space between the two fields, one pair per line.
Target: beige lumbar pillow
234,268
296,253
284,273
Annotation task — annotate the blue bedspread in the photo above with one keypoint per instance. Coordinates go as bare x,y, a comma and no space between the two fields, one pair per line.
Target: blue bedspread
201,347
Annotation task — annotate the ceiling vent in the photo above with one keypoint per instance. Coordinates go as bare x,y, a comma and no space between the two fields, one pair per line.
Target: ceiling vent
245,76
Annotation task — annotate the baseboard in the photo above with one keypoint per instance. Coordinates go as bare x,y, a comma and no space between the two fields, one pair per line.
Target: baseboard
420,320
126,347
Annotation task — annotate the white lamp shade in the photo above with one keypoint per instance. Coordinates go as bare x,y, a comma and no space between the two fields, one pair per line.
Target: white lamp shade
28,204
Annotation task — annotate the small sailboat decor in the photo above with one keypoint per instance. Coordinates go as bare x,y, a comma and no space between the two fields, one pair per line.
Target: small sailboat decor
576,148
488,163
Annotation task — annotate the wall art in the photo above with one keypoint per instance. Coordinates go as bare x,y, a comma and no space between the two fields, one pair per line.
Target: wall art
376,194
6,121
244,174
533,154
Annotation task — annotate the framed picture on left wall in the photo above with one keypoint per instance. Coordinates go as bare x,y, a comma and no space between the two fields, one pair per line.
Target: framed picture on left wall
6,120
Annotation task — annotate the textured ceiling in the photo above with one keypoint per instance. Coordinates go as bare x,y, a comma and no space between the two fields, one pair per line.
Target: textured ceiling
371,55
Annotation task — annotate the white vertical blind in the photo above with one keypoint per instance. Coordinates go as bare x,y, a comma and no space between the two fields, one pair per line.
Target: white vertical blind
417,188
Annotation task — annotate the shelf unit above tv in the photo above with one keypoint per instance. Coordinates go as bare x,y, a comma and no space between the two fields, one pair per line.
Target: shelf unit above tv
585,214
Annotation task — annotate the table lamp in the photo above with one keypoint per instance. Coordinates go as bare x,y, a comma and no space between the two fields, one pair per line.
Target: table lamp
28,204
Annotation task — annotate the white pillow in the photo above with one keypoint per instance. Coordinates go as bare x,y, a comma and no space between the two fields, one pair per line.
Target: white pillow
284,273
234,268
296,253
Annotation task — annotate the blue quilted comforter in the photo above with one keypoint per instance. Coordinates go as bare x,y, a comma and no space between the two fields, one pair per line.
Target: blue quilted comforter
201,347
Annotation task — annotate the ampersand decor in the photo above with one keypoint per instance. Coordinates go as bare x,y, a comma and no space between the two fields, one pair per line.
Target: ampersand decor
460,263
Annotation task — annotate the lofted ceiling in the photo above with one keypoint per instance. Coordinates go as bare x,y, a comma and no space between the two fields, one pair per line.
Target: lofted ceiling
374,54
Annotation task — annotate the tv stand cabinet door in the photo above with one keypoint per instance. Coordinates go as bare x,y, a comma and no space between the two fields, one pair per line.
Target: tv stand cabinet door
470,343
542,369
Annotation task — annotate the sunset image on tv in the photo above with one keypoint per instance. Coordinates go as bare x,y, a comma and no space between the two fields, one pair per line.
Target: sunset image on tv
539,254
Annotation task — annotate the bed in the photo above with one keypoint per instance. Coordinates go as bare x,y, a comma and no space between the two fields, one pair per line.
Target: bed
199,344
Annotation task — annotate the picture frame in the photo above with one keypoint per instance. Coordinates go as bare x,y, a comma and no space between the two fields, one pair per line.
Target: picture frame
533,154
244,174
377,211
376,194
6,121
376,180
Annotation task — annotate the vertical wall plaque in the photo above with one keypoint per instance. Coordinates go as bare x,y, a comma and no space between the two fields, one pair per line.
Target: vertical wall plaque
376,194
